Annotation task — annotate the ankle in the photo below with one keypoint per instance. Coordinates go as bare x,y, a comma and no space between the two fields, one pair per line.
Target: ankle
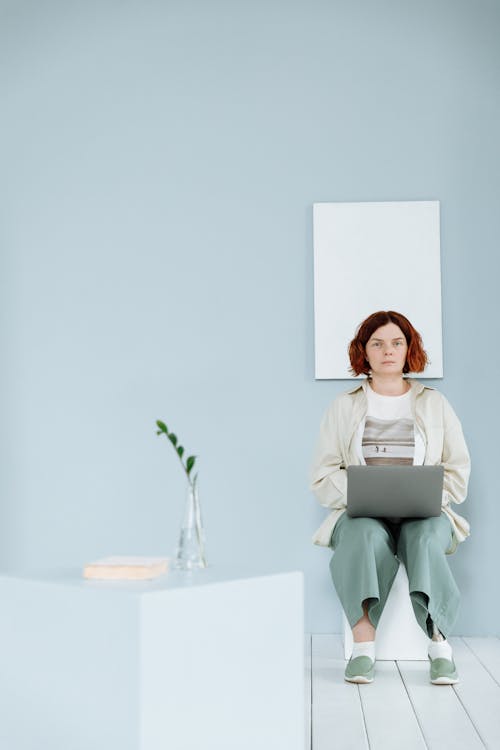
363,638
437,634
363,631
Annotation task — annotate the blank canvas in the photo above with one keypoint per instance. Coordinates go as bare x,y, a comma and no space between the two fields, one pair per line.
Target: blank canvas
369,257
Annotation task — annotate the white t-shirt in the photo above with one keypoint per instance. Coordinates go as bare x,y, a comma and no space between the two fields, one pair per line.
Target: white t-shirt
388,434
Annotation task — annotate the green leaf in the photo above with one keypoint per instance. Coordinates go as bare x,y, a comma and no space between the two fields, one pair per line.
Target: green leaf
190,463
180,450
162,426
172,438
159,432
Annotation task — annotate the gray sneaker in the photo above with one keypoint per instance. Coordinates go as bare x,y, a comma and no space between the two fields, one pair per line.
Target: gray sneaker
359,669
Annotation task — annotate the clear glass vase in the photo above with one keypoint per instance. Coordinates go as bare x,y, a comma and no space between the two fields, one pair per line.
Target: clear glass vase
190,552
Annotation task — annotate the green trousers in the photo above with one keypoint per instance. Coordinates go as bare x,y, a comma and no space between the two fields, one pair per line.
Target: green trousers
366,559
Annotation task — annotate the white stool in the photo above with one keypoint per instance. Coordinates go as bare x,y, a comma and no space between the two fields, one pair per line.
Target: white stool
398,635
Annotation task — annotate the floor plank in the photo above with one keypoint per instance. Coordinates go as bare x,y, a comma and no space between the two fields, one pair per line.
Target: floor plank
337,715
384,700
441,716
487,650
478,692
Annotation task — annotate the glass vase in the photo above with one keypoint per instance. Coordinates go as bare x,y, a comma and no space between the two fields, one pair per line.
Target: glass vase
190,552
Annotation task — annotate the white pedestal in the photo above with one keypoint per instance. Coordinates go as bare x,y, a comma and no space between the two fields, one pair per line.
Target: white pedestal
211,659
398,634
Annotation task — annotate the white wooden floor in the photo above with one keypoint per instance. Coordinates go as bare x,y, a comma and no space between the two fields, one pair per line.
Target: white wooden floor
401,708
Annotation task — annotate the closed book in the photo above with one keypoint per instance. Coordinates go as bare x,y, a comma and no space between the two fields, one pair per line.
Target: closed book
126,568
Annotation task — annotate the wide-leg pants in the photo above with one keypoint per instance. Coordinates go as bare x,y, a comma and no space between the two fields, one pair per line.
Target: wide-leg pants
366,559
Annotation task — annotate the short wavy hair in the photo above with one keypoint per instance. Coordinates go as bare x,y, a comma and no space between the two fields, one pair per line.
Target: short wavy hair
416,357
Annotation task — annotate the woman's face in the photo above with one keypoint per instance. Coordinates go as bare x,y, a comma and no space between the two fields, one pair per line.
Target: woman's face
386,350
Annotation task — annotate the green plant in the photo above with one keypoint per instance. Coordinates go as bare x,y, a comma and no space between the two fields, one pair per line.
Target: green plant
190,461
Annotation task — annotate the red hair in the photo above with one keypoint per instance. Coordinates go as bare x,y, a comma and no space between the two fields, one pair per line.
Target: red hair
416,356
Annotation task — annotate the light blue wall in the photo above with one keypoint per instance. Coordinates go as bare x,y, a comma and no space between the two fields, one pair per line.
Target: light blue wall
159,163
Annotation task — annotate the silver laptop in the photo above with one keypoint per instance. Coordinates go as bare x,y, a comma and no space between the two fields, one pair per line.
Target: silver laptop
394,491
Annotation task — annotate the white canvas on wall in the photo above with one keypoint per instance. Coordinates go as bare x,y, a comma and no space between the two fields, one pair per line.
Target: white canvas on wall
369,257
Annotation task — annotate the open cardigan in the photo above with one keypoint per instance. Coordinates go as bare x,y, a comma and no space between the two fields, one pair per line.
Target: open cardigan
336,449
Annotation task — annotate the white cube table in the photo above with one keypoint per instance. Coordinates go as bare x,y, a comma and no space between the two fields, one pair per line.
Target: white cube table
209,659
398,635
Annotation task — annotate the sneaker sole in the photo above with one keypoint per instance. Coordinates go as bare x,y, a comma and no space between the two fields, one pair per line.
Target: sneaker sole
359,678
445,681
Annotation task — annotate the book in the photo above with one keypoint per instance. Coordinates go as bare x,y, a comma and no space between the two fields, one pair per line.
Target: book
126,568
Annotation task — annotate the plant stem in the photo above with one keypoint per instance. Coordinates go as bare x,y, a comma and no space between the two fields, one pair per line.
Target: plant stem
182,464
197,519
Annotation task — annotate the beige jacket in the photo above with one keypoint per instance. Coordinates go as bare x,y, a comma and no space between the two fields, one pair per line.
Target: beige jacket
336,449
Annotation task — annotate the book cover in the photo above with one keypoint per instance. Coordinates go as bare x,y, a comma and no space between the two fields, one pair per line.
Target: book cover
126,568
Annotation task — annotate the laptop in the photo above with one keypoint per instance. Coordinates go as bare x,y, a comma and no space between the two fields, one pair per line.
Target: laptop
394,491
